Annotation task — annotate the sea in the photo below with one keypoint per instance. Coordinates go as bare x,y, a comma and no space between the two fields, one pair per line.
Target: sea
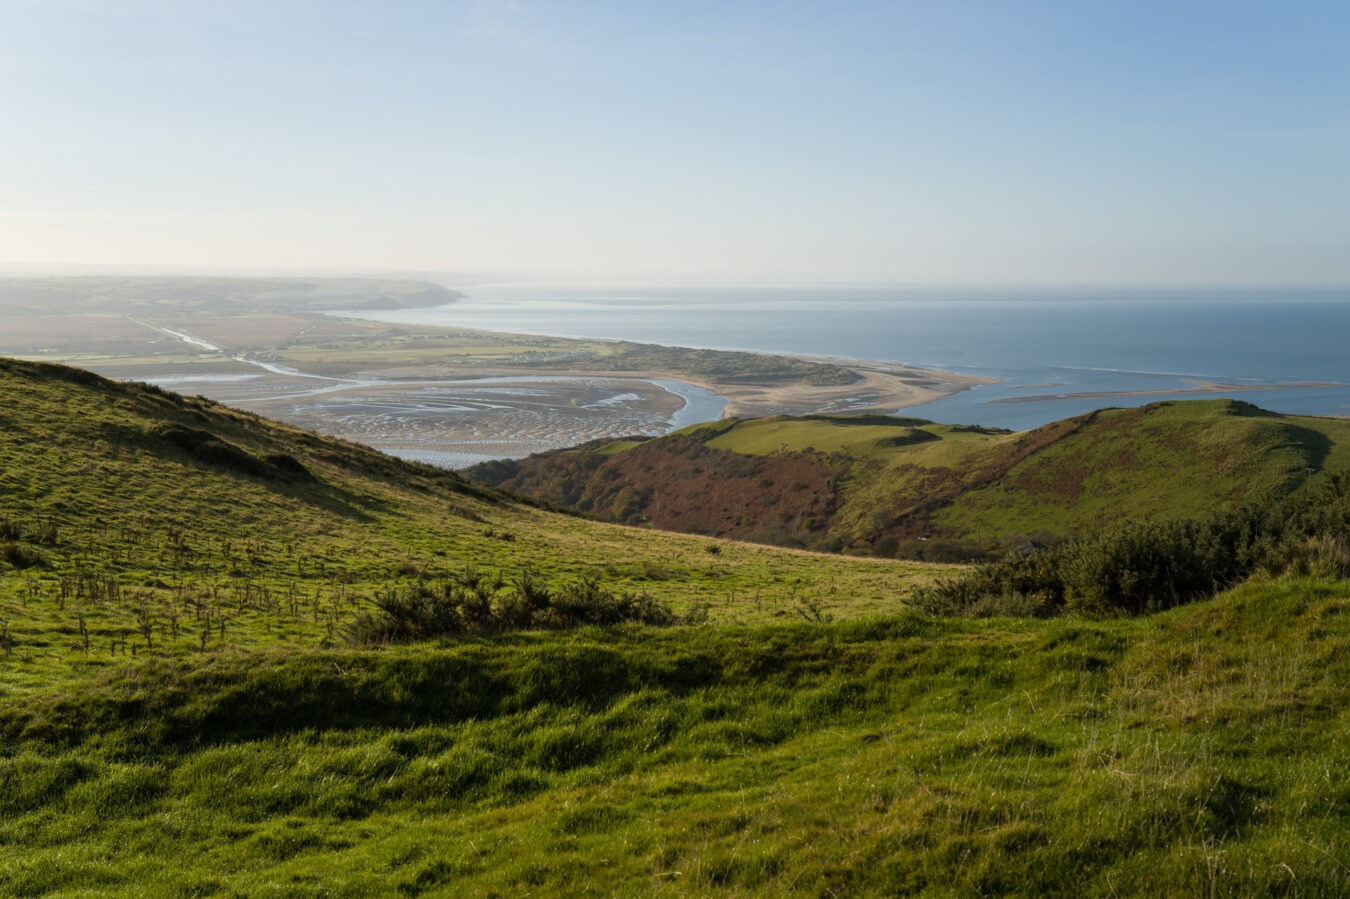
1042,343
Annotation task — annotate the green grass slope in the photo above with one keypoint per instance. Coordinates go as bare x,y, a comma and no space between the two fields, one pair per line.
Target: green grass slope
179,714
877,483
1198,752
136,521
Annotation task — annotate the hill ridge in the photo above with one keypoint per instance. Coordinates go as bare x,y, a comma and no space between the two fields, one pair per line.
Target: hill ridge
894,481
133,519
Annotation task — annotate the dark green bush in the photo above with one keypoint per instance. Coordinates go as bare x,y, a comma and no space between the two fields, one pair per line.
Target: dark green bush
287,467
208,449
19,555
1147,566
469,603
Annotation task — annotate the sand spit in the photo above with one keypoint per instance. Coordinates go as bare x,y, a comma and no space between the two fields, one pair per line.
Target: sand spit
881,387
1199,387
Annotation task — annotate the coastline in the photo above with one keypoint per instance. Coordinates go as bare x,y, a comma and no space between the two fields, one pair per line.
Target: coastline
1060,351
881,387
1042,350
1199,387
453,394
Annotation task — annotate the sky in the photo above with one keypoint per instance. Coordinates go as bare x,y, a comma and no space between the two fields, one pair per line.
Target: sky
952,141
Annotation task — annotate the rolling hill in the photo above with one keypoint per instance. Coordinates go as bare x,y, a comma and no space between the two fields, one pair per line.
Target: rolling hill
183,710
169,501
880,484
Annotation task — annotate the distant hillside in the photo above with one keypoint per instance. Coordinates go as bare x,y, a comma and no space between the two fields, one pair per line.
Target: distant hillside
152,294
884,485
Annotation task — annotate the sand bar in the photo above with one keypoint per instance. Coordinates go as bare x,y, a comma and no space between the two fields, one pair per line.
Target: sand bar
1199,387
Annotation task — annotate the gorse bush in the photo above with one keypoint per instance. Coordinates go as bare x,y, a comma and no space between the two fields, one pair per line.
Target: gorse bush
13,529
471,603
1149,566
1313,557
208,449
15,537
20,556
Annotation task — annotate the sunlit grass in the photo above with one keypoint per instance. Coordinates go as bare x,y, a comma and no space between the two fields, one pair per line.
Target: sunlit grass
158,553
882,757
146,750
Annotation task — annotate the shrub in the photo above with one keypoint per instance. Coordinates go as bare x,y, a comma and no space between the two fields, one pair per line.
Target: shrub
1144,567
1315,556
20,556
208,449
469,603
287,467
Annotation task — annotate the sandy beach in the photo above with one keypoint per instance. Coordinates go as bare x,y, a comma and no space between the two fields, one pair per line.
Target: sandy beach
1198,387
880,388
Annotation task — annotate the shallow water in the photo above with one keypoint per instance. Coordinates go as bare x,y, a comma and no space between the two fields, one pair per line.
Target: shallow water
456,423
447,459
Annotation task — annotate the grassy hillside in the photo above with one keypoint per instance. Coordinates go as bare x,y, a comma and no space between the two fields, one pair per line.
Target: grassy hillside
181,715
125,509
1198,752
877,483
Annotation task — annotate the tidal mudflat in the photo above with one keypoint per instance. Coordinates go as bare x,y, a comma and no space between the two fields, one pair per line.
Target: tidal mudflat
457,422
461,421
455,397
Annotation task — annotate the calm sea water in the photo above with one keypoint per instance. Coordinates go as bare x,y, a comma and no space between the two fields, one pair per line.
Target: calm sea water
1078,340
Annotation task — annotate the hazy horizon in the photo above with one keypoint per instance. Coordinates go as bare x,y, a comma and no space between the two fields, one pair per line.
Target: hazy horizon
883,143
651,281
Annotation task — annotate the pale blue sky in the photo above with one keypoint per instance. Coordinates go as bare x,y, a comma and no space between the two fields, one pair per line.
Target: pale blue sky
901,141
